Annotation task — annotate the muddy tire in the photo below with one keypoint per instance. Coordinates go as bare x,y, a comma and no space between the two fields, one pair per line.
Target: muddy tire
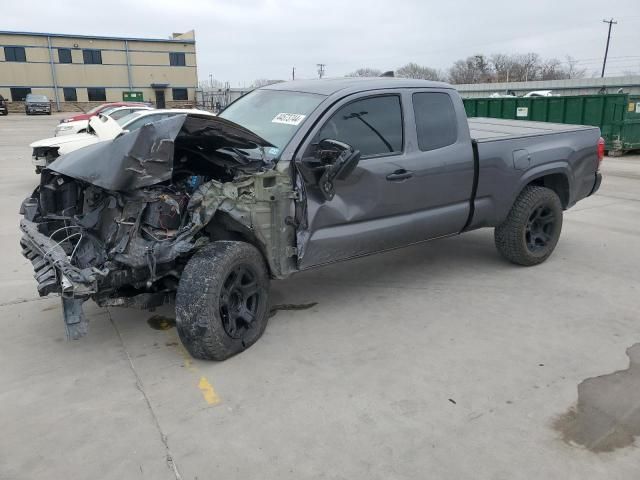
531,231
222,300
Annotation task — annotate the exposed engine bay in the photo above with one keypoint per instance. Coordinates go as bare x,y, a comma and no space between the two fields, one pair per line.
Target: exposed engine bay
117,221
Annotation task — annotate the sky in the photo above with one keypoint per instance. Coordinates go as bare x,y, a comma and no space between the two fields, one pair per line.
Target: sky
240,41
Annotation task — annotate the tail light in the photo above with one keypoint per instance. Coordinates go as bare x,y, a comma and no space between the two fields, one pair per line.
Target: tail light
600,150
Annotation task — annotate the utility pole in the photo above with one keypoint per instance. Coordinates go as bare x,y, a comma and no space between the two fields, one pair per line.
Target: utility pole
321,69
293,73
606,50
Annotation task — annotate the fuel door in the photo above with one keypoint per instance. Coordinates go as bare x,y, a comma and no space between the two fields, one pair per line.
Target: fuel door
521,159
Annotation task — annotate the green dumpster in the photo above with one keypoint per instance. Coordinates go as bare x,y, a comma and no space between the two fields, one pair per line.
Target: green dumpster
132,96
617,115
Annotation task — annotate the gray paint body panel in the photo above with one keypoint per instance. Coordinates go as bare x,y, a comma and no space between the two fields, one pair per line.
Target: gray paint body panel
370,214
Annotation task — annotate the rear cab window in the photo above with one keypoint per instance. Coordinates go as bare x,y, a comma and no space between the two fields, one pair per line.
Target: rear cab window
436,121
372,125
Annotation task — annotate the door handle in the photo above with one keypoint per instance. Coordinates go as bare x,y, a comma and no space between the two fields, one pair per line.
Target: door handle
398,175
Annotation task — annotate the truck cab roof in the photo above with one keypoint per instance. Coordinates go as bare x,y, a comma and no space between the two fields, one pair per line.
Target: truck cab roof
347,85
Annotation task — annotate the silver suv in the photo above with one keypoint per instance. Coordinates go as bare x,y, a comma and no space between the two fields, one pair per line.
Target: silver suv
37,104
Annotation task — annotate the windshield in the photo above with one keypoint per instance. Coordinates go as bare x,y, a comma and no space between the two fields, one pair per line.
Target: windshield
274,115
37,98
127,118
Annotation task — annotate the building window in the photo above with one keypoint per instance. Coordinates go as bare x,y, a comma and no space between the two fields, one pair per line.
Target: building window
176,59
70,94
64,55
92,56
18,94
96,94
14,54
180,94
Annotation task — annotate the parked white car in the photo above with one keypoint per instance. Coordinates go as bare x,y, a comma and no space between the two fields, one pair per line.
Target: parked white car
100,128
80,126
540,93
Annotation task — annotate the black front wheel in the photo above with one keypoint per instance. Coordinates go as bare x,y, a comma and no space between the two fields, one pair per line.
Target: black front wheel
222,300
531,231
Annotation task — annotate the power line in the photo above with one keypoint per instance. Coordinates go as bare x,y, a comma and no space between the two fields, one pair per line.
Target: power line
606,50
321,69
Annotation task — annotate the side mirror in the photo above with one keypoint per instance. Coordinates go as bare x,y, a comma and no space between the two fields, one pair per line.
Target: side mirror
339,159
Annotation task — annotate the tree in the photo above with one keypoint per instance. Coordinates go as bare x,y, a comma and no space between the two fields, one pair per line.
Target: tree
526,67
572,68
474,69
365,72
552,70
413,70
502,64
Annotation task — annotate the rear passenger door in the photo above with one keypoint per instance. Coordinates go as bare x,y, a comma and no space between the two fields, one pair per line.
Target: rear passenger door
398,194
443,155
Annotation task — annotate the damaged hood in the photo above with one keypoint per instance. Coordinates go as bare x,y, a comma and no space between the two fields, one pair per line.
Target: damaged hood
144,157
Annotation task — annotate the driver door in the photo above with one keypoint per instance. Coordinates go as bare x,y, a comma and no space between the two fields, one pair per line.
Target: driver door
396,195
369,210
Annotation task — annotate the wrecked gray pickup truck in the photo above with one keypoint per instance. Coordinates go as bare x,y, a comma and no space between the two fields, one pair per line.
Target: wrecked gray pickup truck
204,211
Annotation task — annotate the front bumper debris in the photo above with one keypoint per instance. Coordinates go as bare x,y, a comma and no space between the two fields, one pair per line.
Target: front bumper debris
55,274
53,269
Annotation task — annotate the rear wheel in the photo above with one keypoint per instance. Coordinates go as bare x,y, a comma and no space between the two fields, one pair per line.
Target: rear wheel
531,231
222,300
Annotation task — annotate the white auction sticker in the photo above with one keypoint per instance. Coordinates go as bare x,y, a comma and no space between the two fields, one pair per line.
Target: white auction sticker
288,118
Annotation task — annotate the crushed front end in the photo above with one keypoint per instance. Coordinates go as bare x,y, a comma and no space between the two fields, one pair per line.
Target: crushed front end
117,221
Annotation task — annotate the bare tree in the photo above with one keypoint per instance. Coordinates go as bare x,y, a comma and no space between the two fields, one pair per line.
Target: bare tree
526,67
502,65
413,70
474,69
211,84
365,72
572,68
551,69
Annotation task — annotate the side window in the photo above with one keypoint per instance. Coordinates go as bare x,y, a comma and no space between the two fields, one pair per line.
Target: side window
117,115
14,54
177,59
371,125
70,94
135,125
92,56
180,94
64,55
96,94
436,121
18,94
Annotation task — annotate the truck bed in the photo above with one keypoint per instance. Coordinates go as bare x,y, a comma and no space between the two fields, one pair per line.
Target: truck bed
488,129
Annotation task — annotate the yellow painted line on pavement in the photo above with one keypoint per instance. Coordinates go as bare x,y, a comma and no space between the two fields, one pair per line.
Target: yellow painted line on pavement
209,394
